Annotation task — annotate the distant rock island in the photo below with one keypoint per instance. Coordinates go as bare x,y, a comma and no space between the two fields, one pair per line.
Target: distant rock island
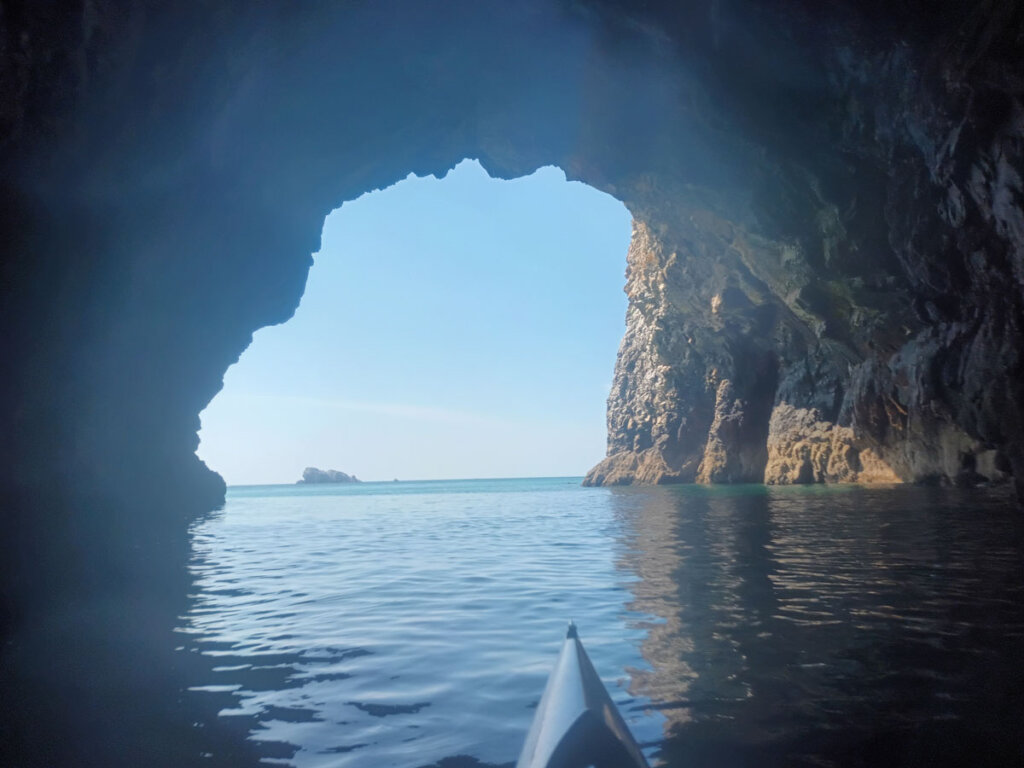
314,475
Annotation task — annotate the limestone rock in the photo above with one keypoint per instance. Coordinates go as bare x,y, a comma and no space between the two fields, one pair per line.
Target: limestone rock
731,454
803,448
647,467
879,335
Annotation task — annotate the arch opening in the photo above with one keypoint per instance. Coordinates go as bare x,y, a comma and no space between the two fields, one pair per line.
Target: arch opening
456,327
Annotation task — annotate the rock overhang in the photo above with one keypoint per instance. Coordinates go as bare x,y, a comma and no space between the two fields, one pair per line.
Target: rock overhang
843,177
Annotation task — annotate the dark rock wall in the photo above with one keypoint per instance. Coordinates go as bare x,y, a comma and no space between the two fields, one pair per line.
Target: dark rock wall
826,277
867,282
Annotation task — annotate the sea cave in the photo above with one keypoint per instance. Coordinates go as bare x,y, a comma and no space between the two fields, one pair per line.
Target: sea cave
825,280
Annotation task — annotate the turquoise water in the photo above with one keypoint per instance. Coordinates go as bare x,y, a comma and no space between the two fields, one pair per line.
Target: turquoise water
414,624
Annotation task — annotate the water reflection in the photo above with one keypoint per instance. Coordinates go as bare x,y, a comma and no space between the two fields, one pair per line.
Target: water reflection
405,629
832,627
734,626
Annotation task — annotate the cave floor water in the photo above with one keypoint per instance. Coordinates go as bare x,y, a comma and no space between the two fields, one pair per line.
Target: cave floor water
414,624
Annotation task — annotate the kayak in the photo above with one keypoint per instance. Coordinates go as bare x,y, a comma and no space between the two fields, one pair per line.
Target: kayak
577,725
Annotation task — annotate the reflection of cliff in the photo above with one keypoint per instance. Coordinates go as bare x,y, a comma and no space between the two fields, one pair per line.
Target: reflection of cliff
779,644
649,553
703,569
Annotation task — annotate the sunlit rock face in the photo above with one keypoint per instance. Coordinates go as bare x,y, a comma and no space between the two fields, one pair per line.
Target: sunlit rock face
826,279
855,315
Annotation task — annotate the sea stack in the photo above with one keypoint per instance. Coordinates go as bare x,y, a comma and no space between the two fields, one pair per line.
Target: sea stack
314,475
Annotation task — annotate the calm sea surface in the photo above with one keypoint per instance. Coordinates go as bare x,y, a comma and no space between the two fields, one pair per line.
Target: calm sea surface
414,624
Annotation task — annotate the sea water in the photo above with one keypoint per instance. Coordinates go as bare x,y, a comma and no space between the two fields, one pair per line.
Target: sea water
414,624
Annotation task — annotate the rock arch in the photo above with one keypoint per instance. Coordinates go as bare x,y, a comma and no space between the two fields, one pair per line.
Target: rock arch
827,277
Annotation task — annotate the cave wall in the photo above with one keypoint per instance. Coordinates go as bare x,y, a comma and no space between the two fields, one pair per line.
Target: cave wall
855,315
825,277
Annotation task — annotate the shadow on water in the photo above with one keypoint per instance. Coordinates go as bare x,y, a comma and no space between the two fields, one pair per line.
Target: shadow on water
831,627
90,674
229,683
234,686
218,678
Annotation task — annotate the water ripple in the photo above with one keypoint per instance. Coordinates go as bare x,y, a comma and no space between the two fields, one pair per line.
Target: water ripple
414,624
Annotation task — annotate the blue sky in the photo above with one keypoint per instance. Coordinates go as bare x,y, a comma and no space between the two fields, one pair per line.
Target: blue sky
450,328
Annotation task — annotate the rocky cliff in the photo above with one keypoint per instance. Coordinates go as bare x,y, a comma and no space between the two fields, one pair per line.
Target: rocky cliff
875,338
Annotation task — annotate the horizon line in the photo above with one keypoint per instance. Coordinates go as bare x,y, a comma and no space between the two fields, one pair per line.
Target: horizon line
413,480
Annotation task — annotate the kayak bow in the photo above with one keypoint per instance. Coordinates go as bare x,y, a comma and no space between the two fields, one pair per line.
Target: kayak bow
577,725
